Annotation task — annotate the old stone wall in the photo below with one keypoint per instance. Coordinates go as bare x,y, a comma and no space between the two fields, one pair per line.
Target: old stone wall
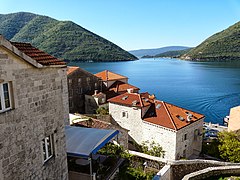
131,121
109,83
214,172
183,167
164,136
38,110
81,82
192,145
90,104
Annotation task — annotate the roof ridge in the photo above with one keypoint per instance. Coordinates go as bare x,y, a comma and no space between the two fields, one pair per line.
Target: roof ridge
174,125
106,74
183,108
117,74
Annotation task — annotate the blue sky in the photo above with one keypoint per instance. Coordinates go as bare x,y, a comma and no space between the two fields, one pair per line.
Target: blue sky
139,24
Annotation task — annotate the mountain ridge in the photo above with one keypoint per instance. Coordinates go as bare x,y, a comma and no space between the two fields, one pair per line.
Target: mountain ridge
155,51
221,46
62,39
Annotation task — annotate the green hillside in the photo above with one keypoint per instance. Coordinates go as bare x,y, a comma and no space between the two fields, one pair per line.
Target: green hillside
63,39
222,46
173,54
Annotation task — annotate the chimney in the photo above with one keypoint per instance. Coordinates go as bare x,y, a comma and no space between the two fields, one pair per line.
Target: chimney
130,90
189,117
152,96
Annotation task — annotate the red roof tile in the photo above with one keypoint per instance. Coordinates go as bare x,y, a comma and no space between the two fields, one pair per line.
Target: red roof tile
71,69
120,86
132,99
109,76
94,123
170,116
38,55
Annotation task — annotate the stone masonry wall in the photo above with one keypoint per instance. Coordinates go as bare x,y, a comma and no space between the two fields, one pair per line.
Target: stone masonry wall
80,83
131,122
193,142
183,167
165,137
213,172
39,108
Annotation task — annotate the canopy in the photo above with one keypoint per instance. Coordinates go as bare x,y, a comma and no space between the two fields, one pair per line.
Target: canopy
84,141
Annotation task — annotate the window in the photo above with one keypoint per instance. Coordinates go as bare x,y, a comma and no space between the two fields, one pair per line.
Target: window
96,85
79,81
47,145
185,137
80,91
88,79
5,97
103,100
70,82
124,114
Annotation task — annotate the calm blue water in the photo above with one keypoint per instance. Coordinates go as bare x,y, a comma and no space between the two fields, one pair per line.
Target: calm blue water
208,88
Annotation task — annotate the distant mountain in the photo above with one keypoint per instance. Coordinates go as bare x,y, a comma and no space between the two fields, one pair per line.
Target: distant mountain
222,46
152,52
173,54
63,39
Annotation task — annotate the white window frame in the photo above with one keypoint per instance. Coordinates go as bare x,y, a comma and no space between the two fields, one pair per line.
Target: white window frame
45,148
2,98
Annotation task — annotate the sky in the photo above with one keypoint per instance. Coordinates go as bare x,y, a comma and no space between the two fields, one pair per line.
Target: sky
139,24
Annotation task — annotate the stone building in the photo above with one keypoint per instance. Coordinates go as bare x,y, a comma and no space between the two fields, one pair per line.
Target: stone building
113,85
33,107
177,130
234,119
80,83
108,78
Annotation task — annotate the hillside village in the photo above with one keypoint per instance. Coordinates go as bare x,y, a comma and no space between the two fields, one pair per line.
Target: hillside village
56,118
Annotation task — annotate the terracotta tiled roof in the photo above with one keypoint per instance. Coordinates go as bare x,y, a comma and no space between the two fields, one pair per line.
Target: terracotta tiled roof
109,76
120,86
110,94
94,123
71,69
132,99
170,116
38,55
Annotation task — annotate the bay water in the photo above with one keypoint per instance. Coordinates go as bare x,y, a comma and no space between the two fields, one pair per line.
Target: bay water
209,88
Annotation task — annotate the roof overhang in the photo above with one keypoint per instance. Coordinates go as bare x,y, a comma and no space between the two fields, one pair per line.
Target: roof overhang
7,45
82,142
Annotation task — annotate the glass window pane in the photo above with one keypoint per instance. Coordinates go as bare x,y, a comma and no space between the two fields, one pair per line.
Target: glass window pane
6,95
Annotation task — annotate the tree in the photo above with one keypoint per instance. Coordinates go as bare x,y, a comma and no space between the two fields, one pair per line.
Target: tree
153,149
102,111
229,147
